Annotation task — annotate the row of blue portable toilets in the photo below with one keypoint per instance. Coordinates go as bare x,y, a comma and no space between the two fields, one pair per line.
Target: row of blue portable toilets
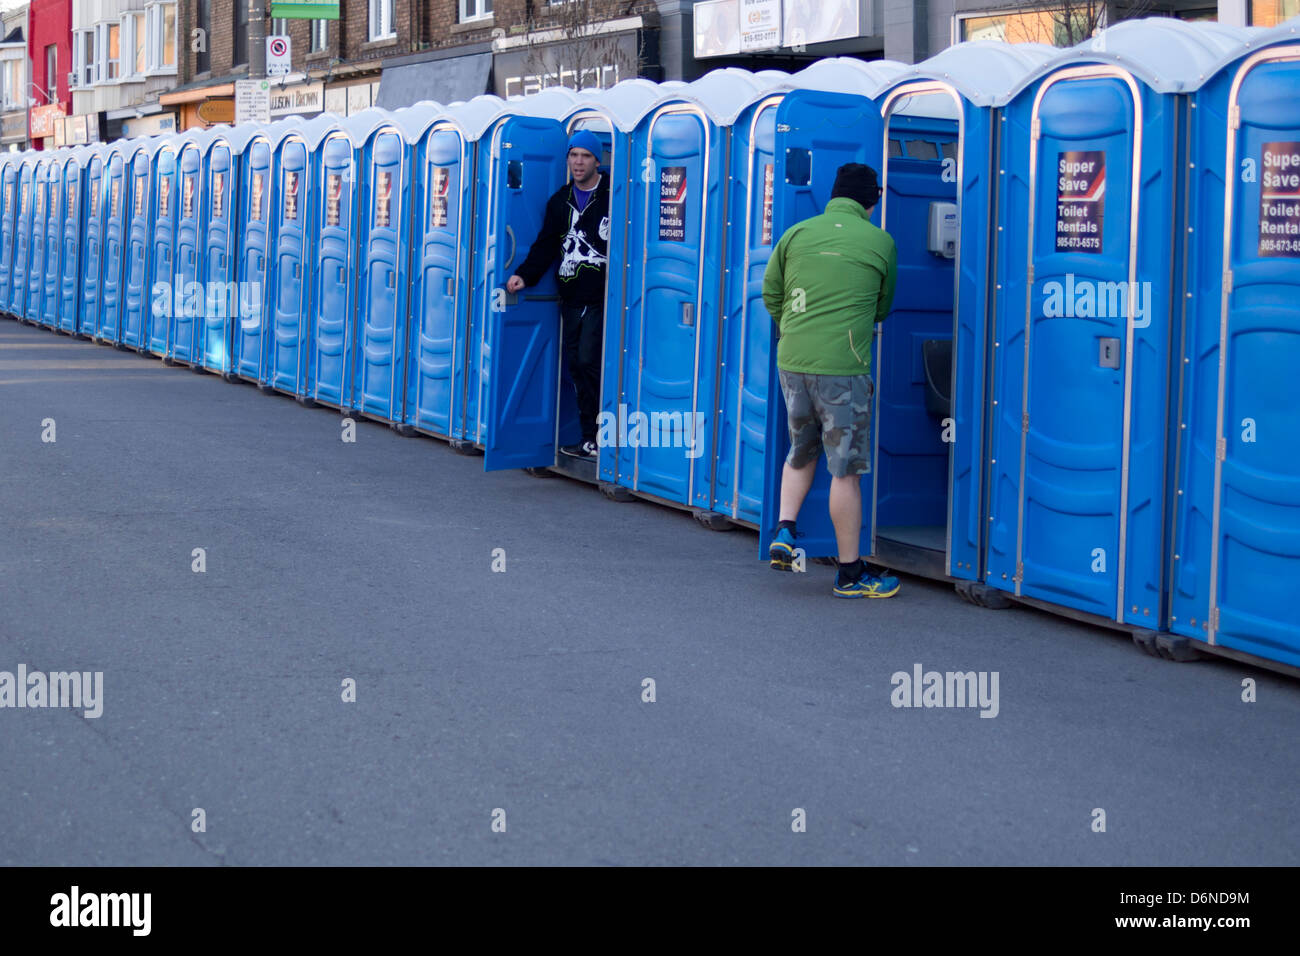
1085,394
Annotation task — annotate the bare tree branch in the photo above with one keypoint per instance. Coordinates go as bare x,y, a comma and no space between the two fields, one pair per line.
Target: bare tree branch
567,46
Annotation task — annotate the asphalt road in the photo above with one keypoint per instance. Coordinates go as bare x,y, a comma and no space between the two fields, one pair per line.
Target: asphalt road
522,691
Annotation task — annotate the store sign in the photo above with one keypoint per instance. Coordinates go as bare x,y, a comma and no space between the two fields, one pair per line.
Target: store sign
303,99
43,119
305,11
156,125
760,25
717,28
13,126
820,21
217,111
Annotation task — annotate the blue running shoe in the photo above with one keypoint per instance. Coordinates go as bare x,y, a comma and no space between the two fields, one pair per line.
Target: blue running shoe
868,586
781,552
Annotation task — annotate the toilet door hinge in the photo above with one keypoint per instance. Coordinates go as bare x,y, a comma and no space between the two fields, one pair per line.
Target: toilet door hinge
1024,422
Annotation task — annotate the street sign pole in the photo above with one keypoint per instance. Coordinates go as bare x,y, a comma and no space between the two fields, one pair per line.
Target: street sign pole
256,38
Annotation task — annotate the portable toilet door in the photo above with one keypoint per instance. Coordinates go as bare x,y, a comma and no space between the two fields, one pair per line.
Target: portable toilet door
829,106
383,243
441,225
8,228
1090,212
512,366
219,257
136,300
117,190
92,243
248,334
1236,536
187,301
22,241
674,290
73,226
160,276
49,315
36,257
333,268
286,345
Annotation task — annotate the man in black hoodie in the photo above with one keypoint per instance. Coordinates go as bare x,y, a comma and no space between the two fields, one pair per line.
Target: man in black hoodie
576,231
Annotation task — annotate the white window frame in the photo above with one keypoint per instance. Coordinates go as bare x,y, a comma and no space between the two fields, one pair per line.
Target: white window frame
108,70
129,38
381,21
83,61
471,10
12,81
154,21
320,36
279,27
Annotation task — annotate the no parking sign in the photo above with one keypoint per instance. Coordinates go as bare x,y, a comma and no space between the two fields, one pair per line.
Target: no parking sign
277,55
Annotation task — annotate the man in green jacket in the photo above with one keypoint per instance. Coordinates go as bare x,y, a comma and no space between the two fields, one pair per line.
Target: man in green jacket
829,281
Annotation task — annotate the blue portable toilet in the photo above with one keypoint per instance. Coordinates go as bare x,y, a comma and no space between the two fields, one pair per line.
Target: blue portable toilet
382,271
22,239
73,225
443,144
219,252
330,302
667,378
160,275
932,145
184,310
612,115
511,367
40,224
136,292
116,208
1087,276
292,239
10,165
88,290
1235,552
247,332
441,190
828,106
48,311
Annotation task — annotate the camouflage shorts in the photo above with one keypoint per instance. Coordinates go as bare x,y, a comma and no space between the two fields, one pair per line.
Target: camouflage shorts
831,412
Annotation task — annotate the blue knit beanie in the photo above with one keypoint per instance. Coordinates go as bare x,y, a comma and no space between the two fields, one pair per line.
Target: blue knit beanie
586,139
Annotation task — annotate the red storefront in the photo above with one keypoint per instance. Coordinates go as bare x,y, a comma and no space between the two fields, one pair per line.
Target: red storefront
49,45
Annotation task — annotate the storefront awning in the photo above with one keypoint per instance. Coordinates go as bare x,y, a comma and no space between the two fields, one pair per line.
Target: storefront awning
446,81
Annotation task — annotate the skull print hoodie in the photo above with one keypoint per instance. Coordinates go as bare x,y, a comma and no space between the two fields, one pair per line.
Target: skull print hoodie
579,240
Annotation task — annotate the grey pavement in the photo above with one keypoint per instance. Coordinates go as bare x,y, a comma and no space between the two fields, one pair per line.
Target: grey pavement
522,690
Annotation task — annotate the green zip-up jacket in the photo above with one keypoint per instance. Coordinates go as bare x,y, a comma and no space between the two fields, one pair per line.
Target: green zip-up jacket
829,281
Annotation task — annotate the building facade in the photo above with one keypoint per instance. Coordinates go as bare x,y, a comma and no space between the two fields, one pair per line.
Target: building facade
13,78
79,70
123,57
49,45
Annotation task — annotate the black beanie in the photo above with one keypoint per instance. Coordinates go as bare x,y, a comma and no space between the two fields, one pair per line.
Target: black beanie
857,182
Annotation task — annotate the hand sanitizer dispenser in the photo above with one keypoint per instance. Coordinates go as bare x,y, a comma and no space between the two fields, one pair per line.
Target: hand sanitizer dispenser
943,229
